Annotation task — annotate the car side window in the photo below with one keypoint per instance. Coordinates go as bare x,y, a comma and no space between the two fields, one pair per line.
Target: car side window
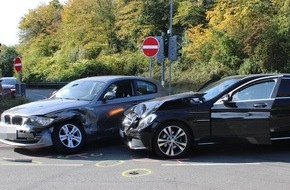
284,88
122,89
145,87
262,90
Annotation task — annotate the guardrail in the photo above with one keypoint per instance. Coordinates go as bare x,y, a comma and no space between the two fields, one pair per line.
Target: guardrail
54,85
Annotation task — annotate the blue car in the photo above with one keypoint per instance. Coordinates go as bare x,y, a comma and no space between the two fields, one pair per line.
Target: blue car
83,110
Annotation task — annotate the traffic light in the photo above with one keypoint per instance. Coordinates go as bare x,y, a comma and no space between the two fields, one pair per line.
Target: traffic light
173,48
161,54
168,47
0,47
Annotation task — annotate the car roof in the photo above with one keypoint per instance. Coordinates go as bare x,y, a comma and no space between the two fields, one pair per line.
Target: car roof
242,78
259,75
108,78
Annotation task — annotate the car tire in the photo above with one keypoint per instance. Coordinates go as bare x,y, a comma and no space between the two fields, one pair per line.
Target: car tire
68,137
172,140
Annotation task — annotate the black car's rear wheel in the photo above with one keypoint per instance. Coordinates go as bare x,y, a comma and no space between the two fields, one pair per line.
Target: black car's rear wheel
68,137
172,140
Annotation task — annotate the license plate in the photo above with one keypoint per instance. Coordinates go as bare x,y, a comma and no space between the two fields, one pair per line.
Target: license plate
7,132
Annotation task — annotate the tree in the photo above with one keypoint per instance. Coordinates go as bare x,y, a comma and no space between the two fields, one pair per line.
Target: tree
239,32
191,13
7,56
40,22
87,29
38,31
137,19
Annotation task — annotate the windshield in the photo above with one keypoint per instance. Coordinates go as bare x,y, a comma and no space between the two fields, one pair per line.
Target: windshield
216,88
80,90
8,81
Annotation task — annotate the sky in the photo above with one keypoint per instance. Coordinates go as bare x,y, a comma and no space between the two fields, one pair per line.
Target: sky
11,12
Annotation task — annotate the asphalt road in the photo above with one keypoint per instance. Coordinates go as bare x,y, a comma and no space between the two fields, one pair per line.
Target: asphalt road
111,165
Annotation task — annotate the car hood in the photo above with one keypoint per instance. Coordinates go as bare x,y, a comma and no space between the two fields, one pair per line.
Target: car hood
145,108
46,106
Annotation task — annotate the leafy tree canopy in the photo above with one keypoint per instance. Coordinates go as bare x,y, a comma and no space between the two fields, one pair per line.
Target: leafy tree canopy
95,37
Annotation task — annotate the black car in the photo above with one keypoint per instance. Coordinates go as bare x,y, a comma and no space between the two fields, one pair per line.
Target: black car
83,110
238,109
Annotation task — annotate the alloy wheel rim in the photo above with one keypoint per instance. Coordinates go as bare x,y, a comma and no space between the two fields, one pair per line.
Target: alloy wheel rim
70,136
172,141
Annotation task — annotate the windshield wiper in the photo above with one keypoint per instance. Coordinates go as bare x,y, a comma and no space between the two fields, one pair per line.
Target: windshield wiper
70,98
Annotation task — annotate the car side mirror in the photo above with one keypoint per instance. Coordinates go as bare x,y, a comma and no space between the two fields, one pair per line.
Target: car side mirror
109,95
226,99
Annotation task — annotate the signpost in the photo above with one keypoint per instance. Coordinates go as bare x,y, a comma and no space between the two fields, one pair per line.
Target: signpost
150,48
18,64
162,47
20,87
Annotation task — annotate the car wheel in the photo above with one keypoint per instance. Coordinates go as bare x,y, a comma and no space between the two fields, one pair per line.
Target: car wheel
172,140
68,137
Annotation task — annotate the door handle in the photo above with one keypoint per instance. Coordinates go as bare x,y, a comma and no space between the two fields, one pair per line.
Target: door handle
260,105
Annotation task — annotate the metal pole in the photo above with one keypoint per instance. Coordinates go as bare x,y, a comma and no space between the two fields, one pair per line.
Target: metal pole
170,34
170,70
150,68
163,74
171,15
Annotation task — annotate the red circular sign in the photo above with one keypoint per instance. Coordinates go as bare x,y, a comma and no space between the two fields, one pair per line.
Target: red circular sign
17,64
150,46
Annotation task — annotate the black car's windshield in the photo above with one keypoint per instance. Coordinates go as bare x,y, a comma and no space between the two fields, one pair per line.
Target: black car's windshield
80,90
216,88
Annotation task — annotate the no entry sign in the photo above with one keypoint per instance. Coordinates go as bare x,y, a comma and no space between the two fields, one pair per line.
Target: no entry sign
150,46
17,64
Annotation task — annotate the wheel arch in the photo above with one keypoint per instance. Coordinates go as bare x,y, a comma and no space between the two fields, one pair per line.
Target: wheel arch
77,118
58,144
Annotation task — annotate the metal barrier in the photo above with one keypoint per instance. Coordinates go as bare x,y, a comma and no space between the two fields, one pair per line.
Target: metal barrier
20,89
55,85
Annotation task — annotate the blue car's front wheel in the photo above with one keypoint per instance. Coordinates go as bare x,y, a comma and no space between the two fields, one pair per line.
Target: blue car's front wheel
68,137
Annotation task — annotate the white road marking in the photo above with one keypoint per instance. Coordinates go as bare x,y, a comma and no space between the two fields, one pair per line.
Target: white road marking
39,164
212,164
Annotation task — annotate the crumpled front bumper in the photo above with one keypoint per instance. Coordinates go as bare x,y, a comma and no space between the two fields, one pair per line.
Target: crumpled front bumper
20,137
132,142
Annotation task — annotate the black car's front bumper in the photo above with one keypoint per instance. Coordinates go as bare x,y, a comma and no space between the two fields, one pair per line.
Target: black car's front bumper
133,142
139,139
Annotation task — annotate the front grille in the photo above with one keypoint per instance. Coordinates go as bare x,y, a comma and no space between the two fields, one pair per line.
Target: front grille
13,120
16,120
7,119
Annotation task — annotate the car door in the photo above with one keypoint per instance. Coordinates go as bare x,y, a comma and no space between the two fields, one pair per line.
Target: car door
280,114
111,111
245,114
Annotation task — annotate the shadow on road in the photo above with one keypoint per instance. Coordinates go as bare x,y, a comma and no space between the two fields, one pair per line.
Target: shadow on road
115,149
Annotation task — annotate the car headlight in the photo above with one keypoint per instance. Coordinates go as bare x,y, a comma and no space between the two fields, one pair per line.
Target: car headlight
39,121
146,121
